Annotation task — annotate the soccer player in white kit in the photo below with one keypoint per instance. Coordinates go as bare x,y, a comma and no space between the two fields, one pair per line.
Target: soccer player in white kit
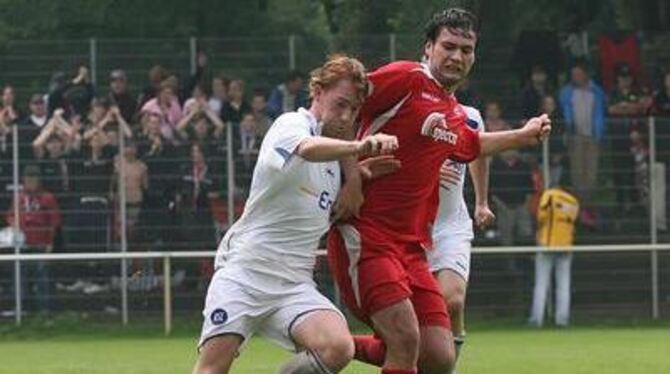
264,265
452,230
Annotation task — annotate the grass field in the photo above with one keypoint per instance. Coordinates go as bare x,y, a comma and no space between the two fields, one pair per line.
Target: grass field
510,350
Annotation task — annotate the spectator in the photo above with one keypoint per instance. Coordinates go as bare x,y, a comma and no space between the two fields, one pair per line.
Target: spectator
202,126
493,117
104,121
10,113
136,183
583,108
73,96
197,186
166,106
39,220
234,109
511,193
661,103
556,217
255,124
288,96
157,74
220,87
534,92
625,109
199,96
160,157
31,126
120,96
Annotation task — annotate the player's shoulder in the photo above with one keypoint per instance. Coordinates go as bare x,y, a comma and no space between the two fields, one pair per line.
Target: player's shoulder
402,68
290,121
473,117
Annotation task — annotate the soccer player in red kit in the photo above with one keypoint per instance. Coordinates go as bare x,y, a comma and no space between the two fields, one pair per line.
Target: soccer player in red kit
378,258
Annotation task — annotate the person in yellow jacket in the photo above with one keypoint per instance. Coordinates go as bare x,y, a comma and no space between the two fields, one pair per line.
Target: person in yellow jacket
556,217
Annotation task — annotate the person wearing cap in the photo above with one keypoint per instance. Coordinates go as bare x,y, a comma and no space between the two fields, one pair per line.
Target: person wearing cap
39,219
625,109
120,95
624,100
583,105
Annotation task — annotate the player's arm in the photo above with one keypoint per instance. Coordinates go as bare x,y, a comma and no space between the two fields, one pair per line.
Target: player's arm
479,172
322,149
532,133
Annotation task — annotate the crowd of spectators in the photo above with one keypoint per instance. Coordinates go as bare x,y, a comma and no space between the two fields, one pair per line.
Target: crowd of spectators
600,141
168,141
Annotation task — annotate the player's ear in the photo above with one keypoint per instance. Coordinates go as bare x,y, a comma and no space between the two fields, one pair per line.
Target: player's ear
427,48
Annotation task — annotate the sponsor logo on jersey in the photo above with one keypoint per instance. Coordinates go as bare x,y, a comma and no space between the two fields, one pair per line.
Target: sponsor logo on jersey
218,316
435,126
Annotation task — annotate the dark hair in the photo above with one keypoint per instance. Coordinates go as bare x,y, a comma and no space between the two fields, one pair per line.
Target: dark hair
452,19
581,63
293,75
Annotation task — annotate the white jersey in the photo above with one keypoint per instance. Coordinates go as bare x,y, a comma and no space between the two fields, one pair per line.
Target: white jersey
452,214
287,212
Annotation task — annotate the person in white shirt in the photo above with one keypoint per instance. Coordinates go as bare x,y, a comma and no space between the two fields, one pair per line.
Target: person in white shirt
263,268
452,232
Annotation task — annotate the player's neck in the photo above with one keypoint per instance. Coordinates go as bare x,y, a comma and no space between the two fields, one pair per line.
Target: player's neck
316,112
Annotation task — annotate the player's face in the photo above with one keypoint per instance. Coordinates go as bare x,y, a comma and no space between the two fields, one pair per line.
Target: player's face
451,56
339,108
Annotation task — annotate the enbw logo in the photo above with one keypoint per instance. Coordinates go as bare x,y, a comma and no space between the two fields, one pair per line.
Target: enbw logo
219,316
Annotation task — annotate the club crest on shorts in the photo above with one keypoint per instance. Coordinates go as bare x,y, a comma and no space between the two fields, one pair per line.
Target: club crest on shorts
218,316
435,126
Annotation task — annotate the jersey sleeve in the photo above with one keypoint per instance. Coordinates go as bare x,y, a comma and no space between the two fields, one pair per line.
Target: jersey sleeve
467,147
474,118
283,139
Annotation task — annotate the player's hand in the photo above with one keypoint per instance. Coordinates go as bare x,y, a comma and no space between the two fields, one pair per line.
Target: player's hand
484,217
377,144
375,167
537,129
349,200
448,176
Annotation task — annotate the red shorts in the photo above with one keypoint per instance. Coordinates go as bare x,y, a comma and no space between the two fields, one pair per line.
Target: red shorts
374,272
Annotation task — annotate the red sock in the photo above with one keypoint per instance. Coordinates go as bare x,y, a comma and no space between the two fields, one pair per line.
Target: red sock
398,371
370,349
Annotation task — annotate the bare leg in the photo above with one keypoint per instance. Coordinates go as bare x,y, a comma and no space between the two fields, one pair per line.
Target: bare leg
217,354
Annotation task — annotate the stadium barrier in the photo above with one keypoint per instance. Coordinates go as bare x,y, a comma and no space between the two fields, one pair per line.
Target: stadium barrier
167,257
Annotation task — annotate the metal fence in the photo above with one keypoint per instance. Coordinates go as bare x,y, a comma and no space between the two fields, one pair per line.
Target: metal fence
624,194
28,65
618,271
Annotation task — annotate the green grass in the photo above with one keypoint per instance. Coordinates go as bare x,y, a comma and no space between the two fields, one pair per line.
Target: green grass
509,350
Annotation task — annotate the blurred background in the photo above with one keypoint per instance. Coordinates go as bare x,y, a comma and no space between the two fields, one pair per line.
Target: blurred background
127,126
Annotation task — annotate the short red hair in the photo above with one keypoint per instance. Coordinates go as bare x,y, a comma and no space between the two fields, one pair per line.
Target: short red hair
336,68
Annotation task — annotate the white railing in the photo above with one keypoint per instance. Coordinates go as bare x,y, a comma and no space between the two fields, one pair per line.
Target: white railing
167,265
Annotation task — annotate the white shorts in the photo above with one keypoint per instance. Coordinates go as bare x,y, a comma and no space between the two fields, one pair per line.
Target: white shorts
451,252
237,306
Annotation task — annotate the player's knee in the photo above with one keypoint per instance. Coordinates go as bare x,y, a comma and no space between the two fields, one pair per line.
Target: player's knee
455,302
337,352
404,336
438,359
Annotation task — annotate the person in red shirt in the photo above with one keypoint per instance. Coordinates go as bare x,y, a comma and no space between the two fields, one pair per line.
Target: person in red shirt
39,219
378,257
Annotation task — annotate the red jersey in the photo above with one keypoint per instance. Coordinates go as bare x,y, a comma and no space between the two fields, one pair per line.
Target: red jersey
406,101
39,217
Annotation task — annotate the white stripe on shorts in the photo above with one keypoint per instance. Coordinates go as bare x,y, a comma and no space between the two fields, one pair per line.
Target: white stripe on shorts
352,242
